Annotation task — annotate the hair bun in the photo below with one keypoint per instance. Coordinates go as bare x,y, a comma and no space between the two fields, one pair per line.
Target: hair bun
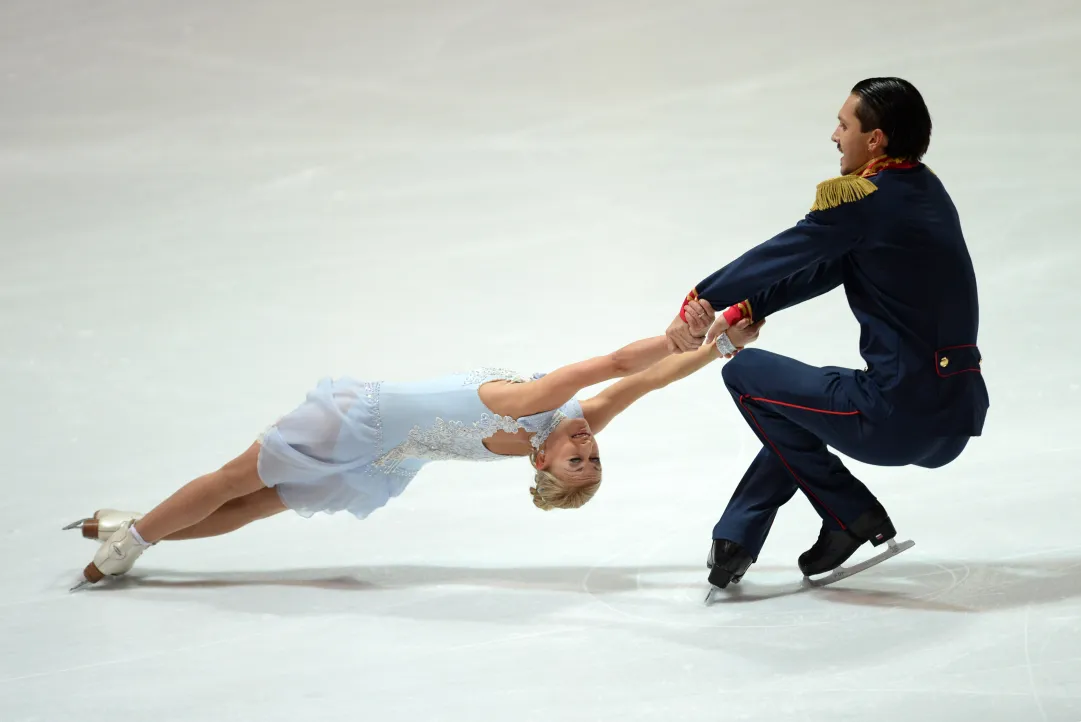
538,501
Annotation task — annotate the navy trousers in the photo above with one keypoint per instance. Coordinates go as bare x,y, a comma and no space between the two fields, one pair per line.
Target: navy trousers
797,410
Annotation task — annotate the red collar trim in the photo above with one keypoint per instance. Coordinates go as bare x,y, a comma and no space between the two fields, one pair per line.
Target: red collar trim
882,163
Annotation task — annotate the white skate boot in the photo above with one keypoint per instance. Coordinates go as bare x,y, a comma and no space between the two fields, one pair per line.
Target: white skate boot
104,522
116,556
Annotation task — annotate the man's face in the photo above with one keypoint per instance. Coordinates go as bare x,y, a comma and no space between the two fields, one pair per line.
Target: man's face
857,148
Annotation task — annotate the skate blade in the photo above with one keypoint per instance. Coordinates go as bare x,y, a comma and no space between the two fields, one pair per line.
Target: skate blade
733,589
893,549
91,575
77,524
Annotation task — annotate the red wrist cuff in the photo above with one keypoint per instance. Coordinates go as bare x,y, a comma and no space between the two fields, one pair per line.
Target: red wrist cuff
693,295
733,314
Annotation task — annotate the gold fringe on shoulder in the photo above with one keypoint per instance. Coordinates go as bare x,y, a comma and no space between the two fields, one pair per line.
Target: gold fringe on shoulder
844,189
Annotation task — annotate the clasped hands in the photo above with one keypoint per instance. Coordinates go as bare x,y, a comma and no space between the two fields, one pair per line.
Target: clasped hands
703,325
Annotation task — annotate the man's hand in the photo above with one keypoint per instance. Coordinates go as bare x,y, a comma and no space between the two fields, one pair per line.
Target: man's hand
743,333
680,338
700,315
687,335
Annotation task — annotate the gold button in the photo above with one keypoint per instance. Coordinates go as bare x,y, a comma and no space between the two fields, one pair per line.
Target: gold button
944,362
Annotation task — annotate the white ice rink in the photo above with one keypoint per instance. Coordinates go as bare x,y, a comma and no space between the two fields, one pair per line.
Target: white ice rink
207,206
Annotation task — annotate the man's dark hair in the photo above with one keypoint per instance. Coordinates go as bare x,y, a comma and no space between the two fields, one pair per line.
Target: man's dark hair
897,108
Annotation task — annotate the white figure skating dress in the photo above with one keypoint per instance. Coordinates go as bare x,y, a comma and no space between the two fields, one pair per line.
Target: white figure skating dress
353,445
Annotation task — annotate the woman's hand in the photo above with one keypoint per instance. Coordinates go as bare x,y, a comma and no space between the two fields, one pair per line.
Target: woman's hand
742,334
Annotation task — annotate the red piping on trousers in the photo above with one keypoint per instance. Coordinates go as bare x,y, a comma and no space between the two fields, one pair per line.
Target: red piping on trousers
797,406
744,397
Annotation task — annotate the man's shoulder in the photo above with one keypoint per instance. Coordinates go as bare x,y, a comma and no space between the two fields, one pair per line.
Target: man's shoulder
834,193
913,190
868,194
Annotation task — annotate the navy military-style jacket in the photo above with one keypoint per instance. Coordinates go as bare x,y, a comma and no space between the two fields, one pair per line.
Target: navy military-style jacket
891,235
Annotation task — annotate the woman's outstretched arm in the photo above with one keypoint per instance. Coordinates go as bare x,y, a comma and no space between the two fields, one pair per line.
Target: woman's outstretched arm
615,399
558,387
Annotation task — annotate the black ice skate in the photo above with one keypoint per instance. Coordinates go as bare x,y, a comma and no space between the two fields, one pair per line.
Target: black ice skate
834,547
727,563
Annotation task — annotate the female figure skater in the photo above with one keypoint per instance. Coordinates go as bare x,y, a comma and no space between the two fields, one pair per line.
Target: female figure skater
352,445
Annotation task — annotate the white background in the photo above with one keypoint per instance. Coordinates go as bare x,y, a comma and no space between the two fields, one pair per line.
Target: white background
207,206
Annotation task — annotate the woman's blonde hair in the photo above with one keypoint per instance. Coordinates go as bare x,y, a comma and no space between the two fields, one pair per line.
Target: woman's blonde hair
551,492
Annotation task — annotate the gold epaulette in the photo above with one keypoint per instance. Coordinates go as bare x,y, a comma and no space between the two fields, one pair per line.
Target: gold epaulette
843,189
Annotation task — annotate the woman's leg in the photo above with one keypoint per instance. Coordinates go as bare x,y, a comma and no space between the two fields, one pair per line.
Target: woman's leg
198,499
186,510
233,515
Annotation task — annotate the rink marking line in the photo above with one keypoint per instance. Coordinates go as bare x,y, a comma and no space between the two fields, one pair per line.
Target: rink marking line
926,690
1012,668
1029,667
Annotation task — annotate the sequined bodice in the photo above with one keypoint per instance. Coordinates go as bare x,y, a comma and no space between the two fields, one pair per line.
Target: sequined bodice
444,419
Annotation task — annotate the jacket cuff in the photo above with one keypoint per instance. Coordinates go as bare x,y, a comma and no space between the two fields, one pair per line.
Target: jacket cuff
733,314
692,296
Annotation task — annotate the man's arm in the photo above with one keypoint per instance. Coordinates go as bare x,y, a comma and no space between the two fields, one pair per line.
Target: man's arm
818,242
799,287
820,239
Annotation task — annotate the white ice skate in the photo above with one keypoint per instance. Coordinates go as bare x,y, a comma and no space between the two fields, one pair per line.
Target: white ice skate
116,556
104,522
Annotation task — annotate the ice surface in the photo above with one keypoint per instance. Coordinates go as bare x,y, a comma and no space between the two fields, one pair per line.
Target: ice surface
207,206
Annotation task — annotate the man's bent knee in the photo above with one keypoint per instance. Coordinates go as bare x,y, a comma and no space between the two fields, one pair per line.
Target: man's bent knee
739,366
